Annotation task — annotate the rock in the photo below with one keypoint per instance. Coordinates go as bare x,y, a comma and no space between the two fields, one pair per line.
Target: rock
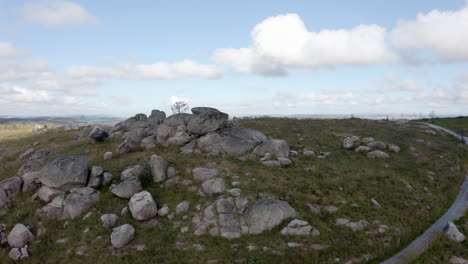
126,189
106,179
213,187
11,186
31,181
171,172
203,174
367,140
108,155
362,149
314,208
122,235
109,220
163,211
95,178
54,209
351,142
377,145
284,161
402,122
276,147
98,134
134,172
34,162
47,194
297,228
148,142
142,206
156,117
272,163
180,137
26,154
266,214
330,209
235,141
20,236
79,201
342,221
182,207
375,203
458,260
65,172
354,226
206,120
82,135
235,192
451,232
18,253
377,154
308,153
126,146
158,168
137,134
394,148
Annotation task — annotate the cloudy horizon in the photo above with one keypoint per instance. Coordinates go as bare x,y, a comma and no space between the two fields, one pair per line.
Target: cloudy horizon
62,57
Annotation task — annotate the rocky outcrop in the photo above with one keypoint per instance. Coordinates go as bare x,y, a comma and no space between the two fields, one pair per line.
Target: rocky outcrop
79,201
276,147
35,162
98,134
66,172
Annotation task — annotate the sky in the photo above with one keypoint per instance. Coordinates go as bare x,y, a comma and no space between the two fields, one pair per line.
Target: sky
121,57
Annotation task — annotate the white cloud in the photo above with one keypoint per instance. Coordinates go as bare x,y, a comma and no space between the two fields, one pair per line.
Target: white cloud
57,13
284,40
442,32
15,71
7,50
178,70
392,83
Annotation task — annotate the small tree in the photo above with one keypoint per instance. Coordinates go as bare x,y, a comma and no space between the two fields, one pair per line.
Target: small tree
432,115
179,107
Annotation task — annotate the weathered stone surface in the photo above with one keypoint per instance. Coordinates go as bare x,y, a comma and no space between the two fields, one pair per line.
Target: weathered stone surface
34,162
203,174
297,228
377,154
26,154
47,194
142,206
394,148
213,187
109,220
66,172
377,145
451,232
276,147
20,236
106,179
351,142
265,214
367,140
362,149
107,155
31,181
95,178
284,161
148,142
158,168
122,235
457,260
82,135
11,186
79,201
206,120
134,172
126,189
126,146
98,134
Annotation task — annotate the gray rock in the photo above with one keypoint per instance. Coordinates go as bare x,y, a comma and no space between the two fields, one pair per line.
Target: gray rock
377,154
26,154
284,161
375,203
142,206
158,168
362,149
122,235
108,155
82,135
367,140
163,211
11,186
18,253
377,145
31,181
98,134
225,206
266,214
297,228
235,192
66,172
213,187
126,189
180,137
330,209
206,120
20,236
137,134
394,148
171,172
308,153
164,132
148,142
106,179
458,260
109,220
79,201
451,232
126,146
272,163
34,162
95,178
276,147
47,194
351,142
182,207
203,174
134,172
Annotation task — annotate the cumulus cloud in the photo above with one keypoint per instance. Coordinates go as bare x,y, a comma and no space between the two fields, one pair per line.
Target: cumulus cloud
8,51
17,71
284,40
391,83
441,32
57,13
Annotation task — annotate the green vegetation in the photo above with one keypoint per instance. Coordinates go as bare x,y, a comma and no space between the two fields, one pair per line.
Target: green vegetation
457,124
15,130
347,180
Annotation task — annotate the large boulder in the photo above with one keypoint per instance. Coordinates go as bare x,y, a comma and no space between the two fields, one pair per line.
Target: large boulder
79,201
95,178
98,134
206,120
47,194
126,146
142,206
234,141
31,181
20,236
11,186
158,168
134,172
122,235
276,147
66,172
156,117
126,189
266,214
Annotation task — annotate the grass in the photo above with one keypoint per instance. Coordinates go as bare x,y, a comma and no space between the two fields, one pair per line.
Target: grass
457,124
16,130
344,179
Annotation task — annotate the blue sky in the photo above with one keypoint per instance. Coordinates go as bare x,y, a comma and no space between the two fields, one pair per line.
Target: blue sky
244,57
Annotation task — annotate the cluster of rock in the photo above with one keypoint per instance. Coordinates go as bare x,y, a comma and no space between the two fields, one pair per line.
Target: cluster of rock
373,148
19,239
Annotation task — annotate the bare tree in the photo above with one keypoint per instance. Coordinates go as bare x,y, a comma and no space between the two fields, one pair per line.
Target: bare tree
179,107
432,115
